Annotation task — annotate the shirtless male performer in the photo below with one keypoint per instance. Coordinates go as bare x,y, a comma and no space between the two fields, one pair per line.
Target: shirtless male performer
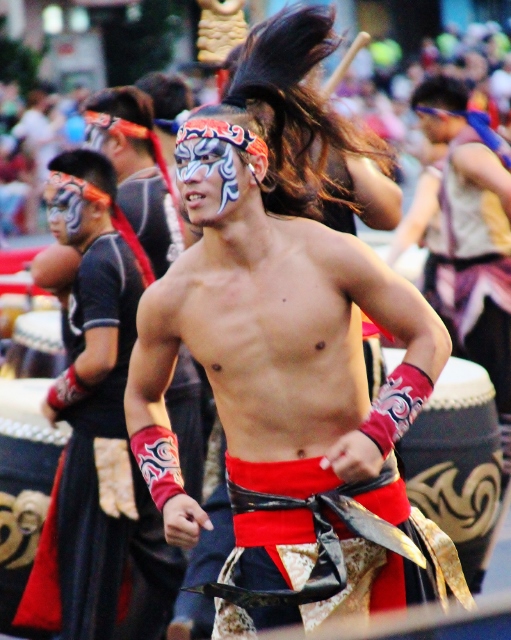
268,304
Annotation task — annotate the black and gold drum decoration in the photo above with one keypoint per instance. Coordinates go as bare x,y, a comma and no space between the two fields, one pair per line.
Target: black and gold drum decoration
36,349
222,26
453,459
29,453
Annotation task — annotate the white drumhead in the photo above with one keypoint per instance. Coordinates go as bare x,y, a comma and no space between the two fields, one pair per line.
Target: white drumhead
20,411
410,264
40,330
461,384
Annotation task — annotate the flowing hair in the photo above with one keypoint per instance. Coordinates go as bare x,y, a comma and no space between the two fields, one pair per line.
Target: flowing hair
271,92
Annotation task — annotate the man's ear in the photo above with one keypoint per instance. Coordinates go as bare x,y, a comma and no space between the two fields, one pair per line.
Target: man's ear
258,166
99,209
116,142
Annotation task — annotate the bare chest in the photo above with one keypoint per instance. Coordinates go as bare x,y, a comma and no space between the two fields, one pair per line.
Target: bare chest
276,317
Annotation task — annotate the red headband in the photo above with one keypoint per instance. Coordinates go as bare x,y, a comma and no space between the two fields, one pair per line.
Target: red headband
113,123
132,130
59,180
233,133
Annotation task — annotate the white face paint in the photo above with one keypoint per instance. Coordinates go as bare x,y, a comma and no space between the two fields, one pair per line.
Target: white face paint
209,154
94,138
69,205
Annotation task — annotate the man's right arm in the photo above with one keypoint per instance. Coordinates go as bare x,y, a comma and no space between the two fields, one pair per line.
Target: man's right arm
151,365
152,440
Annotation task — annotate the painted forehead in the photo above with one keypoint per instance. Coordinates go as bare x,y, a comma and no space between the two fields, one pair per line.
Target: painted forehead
242,138
111,123
58,182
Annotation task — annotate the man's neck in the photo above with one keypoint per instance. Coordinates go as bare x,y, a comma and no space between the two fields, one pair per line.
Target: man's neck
243,241
132,165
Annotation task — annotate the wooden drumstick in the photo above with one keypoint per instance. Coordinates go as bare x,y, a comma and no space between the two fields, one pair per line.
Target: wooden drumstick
361,41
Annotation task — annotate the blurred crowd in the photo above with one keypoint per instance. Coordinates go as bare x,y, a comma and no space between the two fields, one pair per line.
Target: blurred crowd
376,91
378,87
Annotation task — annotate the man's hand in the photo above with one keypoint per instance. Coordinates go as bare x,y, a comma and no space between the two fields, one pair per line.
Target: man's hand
354,458
49,413
183,518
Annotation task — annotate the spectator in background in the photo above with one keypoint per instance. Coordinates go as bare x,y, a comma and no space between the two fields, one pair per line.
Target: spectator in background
37,132
386,55
500,87
11,106
449,42
73,130
15,185
403,84
429,55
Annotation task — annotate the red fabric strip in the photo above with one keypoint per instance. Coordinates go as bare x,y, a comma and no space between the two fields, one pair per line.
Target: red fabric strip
274,555
40,606
389,589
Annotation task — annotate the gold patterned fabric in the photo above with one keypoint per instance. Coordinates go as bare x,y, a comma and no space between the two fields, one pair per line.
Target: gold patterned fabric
363,561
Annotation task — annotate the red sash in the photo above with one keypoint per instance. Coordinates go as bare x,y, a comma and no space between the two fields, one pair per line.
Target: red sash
300,479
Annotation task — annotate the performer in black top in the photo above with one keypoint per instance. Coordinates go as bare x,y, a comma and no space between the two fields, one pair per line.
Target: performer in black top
120,125
103,520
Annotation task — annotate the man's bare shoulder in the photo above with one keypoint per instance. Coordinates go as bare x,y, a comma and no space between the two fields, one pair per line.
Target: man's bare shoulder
342,256
478,164
471,154
318,238
164,298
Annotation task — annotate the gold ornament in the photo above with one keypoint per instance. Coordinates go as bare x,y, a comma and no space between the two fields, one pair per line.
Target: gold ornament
463,516
21,518
221,28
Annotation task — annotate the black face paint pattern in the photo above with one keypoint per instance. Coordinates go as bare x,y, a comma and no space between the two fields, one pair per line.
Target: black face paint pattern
70,205
94,138
212,154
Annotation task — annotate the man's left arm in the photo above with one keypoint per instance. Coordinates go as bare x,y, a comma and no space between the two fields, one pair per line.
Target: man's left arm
378,195
480,165
99,298
397,306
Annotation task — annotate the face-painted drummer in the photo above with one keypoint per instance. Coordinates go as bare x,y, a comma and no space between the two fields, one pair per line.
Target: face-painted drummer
267,302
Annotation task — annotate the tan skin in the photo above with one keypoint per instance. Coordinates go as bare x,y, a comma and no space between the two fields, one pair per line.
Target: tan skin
379,197
272,320
101,343
55,269
422,211
474,162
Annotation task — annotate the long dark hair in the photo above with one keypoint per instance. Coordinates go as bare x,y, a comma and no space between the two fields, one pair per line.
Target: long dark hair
271,94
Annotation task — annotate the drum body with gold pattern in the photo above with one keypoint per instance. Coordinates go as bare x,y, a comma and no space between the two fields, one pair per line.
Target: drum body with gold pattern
453,459
29,454
37,350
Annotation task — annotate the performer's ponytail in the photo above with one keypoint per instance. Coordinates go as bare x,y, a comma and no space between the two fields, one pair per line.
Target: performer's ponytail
272,94
276,57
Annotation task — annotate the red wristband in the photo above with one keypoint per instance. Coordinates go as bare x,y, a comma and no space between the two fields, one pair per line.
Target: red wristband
66,390
399,402
156,452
